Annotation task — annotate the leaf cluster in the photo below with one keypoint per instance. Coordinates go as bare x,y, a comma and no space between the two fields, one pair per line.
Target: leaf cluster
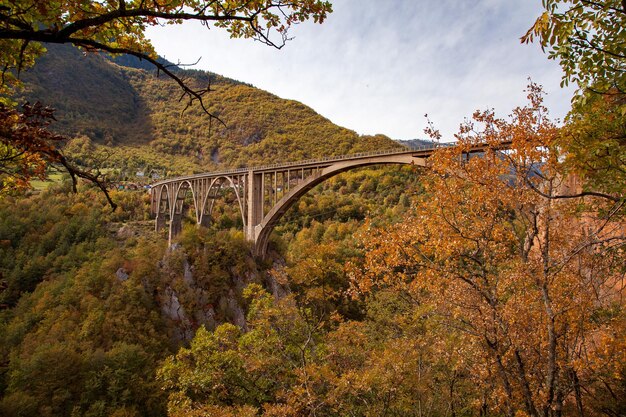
588,39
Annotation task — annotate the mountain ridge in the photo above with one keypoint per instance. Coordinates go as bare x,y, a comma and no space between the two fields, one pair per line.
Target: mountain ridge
138,119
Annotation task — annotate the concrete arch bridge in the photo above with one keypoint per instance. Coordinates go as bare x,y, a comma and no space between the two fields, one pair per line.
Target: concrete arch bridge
263,193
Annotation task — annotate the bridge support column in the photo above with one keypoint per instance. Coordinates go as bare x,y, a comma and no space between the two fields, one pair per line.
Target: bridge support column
159,222
205,220
255,204
176,226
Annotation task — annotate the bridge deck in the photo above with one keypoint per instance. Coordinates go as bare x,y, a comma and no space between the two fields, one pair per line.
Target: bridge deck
423,151
264,193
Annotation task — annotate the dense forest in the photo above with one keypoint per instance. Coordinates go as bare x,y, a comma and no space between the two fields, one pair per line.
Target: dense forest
485,284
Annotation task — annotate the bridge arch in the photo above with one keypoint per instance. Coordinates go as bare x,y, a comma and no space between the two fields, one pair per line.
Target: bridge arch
264,229
240,198
160,201
178,200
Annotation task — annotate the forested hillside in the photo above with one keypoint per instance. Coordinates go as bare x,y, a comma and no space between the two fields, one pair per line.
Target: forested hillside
90,290
387,291
138,118
93,301
486,283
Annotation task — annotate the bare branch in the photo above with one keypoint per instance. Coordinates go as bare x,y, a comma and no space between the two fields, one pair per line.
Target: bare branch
121,13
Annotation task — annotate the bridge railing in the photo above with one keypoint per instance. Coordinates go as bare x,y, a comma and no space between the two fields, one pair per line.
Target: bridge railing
313,161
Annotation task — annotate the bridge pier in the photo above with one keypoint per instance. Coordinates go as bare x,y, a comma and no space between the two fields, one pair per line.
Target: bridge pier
205,220
160,222
254,204
176,226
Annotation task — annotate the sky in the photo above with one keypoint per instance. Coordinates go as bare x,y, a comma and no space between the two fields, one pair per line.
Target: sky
379,66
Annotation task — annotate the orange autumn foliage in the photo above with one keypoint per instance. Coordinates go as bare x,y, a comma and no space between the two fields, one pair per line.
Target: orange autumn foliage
530,277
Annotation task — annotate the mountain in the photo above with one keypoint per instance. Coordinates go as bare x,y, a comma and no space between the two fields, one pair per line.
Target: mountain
415,143
122,107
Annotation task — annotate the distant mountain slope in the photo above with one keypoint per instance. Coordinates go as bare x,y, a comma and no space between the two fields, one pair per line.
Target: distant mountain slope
415,143
139,116
90,95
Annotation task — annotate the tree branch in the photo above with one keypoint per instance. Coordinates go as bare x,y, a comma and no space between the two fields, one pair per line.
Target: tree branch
194,95
122,13
579,195
27,133
584,41
74,172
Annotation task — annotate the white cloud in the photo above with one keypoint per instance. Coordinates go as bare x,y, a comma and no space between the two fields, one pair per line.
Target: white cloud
378,67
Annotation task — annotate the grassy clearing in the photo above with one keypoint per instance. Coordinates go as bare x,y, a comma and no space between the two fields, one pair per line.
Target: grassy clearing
53,178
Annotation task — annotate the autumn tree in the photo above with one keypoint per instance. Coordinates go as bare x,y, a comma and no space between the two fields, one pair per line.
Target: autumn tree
392,363
593,143
231,371
27,146
530,276
588,40
83,342
118,27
